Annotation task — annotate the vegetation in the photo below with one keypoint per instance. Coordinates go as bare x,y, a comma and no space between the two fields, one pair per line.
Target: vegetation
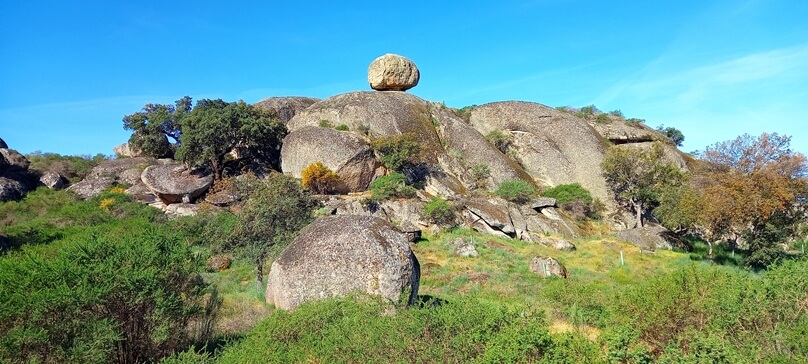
516,190
480,172
588,112
397,152
318,178
342,127
206,134
575,200
675,135
439,211
393,185
500,140
276,210
638,176
74,168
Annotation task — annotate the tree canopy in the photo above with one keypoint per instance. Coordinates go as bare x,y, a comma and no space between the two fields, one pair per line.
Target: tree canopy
153,125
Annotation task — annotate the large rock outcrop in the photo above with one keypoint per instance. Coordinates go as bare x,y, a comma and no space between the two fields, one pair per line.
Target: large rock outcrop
345,153
286,107
15,179
174,183
553,146
339,255
110,172
392,72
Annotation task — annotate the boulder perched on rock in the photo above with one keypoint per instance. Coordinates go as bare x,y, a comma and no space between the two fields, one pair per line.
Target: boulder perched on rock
554,147
286,107
338,255
173,183
548,267
392,72
126,151
621,132
110,172
345,153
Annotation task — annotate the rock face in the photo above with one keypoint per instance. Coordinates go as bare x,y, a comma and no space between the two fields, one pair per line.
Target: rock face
392,72
553,146
15,179
109,172
14,160
11,189
3,143
338,255
124,150
286,107
53,180
497,217
650,237
548,267
344,153
173,183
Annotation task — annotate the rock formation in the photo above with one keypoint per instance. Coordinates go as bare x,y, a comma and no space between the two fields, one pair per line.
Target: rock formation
109,172
338,255
392,72
174,183
286,107
15,179
548,267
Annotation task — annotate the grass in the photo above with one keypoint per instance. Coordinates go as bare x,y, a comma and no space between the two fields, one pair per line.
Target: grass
243,303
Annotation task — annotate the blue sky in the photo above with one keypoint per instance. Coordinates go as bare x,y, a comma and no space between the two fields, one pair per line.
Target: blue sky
70,70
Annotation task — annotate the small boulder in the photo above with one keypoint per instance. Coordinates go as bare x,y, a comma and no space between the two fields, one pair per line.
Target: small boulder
181,209
650,237
11,189
109,172
548,267
173,183
53,180
218,263
286,107
464,248
126,151
337,255
559,244
392,72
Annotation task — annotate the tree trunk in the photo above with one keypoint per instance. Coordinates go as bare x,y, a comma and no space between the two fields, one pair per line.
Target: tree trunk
709,248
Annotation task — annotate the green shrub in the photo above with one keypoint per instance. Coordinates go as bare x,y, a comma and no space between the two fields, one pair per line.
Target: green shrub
342,127
100,298
393,185
567,193
325,124
397,152
516,190
500,140
617,113
588,112
439,211
602,118
74,168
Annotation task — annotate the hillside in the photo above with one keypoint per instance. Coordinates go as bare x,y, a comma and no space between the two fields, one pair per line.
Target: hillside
376,226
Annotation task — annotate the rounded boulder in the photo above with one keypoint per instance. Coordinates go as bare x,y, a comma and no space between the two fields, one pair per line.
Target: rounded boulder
392,72
339,255
174,183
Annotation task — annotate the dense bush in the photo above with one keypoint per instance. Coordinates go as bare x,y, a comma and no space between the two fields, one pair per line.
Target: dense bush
74,168
114,297
318,178
516,190
397,152
439,211
575,200
393,185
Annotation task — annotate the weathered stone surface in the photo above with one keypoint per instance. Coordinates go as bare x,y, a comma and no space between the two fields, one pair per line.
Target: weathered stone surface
650,237
669,153
548,267
182,209
392,72
286,107
412,232
553,146
14,160
173,183
559,244
463,140
338,255
3,144
542,202
539,224
218,263
489,216
53,180
109,172
11,189
464,248
125,151
621,132
345,153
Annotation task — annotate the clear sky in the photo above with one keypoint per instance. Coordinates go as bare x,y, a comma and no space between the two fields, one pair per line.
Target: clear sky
70,70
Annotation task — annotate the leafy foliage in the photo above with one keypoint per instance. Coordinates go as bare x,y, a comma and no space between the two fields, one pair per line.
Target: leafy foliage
276,210
499,139
154,124
637,176
215,128
74,168
575,200
393,185
439,211
516,190
102,298
675,135
397,152
318,178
